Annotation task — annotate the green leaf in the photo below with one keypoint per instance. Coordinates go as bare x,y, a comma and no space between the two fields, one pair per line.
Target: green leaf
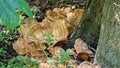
48,37
1,38
65,56
2,66
23,58
10,66
1,63
12,60
17,65
49,41
48,34
21,5
8,14
2,51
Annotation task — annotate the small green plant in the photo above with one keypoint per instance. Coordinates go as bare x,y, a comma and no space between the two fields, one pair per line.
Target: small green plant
1,37
8,35
21,62
64,59
49,40
2,51
35,10
48,37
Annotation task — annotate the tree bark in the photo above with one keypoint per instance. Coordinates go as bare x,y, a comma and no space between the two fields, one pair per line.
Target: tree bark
89,26
101,21
108,52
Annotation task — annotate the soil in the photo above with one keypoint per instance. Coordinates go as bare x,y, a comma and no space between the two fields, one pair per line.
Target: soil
42,5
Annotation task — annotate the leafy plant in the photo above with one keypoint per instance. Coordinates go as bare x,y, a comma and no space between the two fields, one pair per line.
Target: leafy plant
8,35
21,62
65,56
35,10
2,51
64,59
1,37
48,37
8,14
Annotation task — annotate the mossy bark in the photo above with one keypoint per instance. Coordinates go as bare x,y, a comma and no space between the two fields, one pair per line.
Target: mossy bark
103,14
108,52
89,26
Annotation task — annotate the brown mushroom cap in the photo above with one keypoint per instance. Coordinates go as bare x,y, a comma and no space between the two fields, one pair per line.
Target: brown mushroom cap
86,64
81,46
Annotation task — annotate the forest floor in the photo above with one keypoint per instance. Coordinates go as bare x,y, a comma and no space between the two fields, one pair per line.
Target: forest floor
43,6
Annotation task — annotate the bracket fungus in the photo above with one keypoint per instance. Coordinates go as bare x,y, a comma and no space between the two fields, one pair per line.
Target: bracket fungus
86,64
59,21
82,50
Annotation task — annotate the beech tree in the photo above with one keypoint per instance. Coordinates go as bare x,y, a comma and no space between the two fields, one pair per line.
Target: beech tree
100,27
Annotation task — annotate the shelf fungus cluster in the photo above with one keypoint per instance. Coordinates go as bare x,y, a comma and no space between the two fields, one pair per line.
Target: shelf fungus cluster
84,64
81,51
59,22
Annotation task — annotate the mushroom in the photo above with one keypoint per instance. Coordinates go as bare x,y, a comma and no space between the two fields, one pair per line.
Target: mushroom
86,64
81,46
57,22
82,50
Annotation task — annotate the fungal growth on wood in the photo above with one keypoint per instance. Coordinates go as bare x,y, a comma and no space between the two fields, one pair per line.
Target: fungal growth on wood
59,22
39,40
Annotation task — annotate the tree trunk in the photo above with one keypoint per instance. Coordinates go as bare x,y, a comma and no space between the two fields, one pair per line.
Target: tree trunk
103,14
89,26
108,52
